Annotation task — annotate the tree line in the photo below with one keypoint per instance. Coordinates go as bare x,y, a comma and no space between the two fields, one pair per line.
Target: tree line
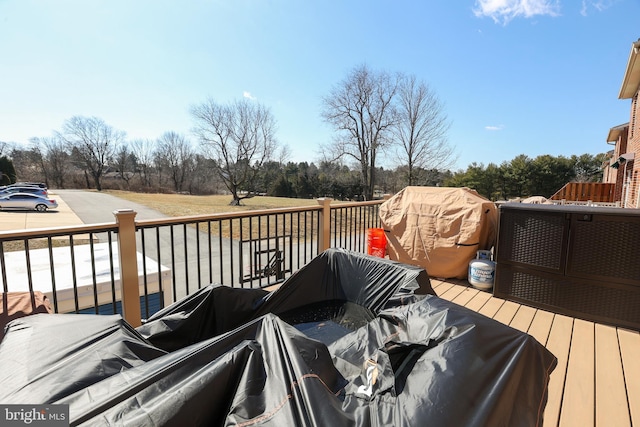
169,164
376,115
523,176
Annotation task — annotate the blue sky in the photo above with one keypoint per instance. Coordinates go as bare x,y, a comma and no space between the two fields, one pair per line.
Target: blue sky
515,76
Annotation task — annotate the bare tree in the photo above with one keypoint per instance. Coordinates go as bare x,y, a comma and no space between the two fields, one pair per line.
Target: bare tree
94,143
175,154
421,131
240,137
283,155
53,158
125,161
361,110
144,152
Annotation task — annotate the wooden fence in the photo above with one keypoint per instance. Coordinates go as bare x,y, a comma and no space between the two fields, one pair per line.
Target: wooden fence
597,192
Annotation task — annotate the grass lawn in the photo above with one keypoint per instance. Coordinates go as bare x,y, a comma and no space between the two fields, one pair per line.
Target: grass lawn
184,205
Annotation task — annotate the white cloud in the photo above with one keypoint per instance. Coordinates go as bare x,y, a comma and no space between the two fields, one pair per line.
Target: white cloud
248,95
500,127
598,5
505,10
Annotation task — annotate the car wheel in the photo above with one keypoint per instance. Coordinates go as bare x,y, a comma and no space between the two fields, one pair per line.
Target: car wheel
41,208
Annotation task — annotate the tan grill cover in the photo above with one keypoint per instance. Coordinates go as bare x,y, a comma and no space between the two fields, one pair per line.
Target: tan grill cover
439,229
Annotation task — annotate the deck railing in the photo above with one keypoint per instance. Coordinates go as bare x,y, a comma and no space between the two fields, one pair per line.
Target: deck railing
137,267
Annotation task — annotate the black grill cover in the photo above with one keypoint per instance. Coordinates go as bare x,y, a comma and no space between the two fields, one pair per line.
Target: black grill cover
349,340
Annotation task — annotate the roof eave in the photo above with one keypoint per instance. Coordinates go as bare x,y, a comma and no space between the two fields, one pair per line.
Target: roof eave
614,132
631,81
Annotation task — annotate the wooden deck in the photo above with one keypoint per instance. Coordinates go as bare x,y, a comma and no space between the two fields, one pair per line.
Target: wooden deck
597,380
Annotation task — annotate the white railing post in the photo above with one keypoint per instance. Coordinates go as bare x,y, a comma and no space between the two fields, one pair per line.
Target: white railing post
128,257
324,234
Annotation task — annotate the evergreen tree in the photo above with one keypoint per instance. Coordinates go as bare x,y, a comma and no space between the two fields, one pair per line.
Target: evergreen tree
7,171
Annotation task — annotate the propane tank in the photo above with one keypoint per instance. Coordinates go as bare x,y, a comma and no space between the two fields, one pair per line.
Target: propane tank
482,270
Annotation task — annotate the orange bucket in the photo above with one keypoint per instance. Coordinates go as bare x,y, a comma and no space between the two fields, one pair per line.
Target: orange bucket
376,242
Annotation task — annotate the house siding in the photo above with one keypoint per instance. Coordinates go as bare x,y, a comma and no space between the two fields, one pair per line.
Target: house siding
616,176
628,175
633,146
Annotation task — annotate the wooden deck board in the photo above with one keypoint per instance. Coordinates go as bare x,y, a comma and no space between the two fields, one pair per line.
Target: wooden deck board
440,287
491,307
435,283
611,400
541,326
523,318
465,296
558,343
451,293
478,301
506,312
630,353
579,395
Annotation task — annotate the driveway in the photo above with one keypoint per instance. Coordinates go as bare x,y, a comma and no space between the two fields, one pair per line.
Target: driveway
96,207
75,207
63,216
